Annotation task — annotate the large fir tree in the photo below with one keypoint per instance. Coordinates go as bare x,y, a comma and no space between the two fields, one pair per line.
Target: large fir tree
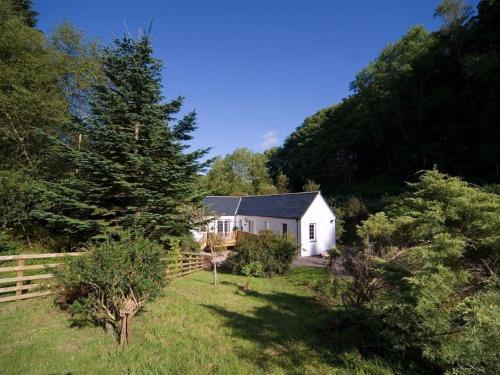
129,168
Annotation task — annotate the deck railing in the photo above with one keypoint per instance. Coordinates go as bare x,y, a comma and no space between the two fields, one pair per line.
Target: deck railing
226,239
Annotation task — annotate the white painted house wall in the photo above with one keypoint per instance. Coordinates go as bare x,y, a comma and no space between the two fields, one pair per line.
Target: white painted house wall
275,224
212,225
318,213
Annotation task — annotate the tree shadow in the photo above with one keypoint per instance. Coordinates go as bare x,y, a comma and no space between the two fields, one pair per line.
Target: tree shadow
293,331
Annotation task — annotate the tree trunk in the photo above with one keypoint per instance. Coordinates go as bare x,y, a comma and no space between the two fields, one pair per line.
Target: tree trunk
214,261
129,330
125,331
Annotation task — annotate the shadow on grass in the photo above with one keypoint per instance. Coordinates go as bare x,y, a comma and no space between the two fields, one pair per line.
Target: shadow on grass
294,331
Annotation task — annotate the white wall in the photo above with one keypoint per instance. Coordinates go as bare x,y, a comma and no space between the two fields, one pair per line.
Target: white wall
320,214
275,224
197,233
212,225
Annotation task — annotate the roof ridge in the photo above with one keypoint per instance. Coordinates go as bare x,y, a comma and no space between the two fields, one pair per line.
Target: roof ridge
224,196
277,194
237,208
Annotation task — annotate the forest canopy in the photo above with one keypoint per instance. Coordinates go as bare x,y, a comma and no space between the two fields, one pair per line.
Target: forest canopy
429,99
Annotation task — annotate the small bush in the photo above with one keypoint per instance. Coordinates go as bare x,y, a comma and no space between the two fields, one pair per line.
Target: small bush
329,289
255,269
188,244
111,283
6,245
274,252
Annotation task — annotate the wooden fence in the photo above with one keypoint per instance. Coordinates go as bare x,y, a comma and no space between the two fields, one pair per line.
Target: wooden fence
22,278
188,263
25,279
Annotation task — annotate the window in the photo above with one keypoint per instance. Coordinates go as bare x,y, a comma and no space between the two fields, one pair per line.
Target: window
312,232
284,229
241,224
224,227
266,225
251,228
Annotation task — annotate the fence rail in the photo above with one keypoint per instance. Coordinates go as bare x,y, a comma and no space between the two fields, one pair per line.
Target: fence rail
188,263
30,280
15,274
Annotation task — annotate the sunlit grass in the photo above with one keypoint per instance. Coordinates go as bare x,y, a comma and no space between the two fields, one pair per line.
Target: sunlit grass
195,328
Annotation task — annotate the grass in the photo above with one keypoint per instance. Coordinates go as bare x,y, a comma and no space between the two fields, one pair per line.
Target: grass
195,328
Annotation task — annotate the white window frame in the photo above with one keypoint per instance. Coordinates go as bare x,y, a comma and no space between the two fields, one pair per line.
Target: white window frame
251,226
220,226
223,228
314,236
266,225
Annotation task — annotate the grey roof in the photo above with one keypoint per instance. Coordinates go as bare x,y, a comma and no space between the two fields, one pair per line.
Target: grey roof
222,205
292,206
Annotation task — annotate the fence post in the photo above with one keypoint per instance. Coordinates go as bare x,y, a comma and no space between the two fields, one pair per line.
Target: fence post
20,273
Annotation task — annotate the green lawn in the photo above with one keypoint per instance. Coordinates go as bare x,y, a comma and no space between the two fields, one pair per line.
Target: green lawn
195,328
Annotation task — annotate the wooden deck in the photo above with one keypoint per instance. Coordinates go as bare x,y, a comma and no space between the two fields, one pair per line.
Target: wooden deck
224,240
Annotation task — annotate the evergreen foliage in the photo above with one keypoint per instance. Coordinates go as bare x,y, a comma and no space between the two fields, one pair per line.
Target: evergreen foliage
431,265
129,168
25,9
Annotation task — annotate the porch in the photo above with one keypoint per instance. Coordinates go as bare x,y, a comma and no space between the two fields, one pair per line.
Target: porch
223,239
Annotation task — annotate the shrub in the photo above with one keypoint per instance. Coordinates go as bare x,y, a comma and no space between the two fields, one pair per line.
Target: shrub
376,232
275,252
111,283
6,245
430,273
188,244
349,214
329,289
17,201
255,269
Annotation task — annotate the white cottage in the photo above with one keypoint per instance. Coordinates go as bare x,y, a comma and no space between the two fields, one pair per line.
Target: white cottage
304,216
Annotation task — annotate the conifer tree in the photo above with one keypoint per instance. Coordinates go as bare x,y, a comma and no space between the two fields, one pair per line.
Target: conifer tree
129,167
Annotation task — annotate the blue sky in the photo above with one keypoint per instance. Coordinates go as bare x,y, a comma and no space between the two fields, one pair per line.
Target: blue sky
253,69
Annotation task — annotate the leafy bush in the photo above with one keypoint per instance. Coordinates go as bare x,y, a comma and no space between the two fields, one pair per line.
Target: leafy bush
377,231
349,214
111,283
17,200
6,245
329,288
255,269
188,244
429,272
274,252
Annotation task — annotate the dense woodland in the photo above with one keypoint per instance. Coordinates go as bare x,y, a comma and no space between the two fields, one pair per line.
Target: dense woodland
429,99
92,155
